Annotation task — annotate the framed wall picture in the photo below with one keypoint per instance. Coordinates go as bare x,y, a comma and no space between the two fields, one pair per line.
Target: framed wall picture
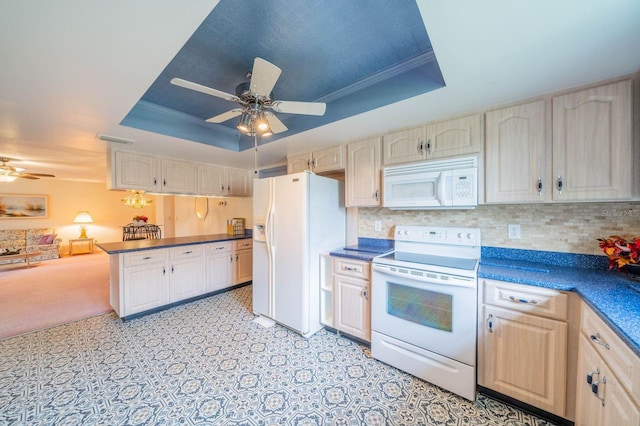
14,206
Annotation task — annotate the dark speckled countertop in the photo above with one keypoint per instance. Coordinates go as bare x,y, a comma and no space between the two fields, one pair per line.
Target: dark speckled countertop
366,249
137,245
611,294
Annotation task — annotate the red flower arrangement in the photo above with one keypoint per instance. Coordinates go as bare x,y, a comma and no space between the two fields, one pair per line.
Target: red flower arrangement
142,218
620,252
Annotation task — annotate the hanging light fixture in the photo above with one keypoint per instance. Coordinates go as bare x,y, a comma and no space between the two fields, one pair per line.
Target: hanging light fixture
136,200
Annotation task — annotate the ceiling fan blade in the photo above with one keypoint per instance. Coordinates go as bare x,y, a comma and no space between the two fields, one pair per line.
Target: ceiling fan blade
225,116
293,107
275,124
263,77
35,174
204,89
25,176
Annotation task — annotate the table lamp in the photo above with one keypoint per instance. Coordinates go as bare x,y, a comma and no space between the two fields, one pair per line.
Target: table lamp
83,217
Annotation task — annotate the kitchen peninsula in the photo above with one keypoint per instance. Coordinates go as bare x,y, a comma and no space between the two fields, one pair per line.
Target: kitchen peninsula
149,275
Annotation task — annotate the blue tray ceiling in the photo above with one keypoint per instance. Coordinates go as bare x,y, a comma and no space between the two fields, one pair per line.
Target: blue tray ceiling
354,55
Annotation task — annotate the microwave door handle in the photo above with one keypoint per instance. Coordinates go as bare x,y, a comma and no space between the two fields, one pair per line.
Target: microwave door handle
441,195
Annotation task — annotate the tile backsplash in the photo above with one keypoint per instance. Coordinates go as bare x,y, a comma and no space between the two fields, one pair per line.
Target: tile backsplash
568,228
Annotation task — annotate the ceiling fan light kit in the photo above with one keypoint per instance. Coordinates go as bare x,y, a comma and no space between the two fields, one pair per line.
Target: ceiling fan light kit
255,98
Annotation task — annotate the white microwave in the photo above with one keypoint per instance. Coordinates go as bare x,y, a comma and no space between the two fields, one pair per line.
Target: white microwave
433,184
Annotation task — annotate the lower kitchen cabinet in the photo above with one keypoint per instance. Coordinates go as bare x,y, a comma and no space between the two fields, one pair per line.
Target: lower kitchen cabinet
149,279
523,344
608,376
143,282
186,278
351,298
243,270
219,264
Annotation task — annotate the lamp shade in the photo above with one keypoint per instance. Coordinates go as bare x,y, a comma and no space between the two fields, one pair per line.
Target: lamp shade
83,217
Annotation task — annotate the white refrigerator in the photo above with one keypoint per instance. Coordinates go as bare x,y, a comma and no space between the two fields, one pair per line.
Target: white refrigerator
296,218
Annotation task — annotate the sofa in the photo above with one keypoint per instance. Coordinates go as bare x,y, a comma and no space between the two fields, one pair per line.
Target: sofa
29,241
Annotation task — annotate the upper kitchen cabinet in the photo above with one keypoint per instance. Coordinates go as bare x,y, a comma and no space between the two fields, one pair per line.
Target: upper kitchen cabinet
239,182
362,176
136,171
178,177
129,170
404,146
592,144
212,180
321,161
458,136
223,181
516,168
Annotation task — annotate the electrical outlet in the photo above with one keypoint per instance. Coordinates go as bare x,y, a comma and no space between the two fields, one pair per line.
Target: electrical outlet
377,225
513,232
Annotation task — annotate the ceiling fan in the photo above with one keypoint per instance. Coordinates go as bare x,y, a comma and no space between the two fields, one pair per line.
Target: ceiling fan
9,174
257,108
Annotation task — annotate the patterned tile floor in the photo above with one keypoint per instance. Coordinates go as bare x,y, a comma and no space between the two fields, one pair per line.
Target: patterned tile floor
207,362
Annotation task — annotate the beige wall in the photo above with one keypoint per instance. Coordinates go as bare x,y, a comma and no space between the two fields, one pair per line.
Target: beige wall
175,214
186,221
66,198
570,228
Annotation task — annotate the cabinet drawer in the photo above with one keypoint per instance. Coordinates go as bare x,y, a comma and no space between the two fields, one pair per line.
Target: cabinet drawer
534,300
145,257
219,247
186,252
620,358
244,244
352,268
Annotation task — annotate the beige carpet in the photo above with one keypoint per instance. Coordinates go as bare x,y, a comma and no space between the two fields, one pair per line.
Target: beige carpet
53,292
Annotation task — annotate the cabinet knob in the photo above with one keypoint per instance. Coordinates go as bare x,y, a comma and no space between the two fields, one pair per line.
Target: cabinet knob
428,146
377,195
490,323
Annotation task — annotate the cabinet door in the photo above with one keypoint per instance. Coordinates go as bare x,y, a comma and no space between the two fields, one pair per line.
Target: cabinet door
592,144
608,404
362,176
211,180
238,182
404,146
516,167
187,278
145,287
298,163
525,357
136,171
353,313
244,266
178,177
458,136
327,160
219,271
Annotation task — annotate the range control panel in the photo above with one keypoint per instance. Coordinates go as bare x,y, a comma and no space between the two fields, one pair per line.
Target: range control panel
438,235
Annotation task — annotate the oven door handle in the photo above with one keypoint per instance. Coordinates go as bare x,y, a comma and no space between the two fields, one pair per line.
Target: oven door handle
467,282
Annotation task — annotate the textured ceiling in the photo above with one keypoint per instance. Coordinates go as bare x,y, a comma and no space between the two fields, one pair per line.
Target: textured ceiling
354,55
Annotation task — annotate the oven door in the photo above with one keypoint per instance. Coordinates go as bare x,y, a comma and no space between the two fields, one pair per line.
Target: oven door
431,313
